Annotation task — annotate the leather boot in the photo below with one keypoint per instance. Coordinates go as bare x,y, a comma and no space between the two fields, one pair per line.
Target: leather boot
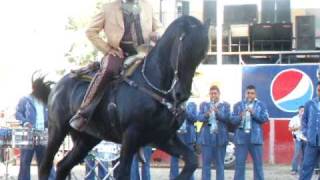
111,66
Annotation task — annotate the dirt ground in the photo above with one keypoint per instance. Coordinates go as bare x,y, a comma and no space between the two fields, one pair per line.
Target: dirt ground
271,172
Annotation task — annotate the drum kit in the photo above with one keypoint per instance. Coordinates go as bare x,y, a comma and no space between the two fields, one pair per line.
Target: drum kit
26,138
105,153
21,138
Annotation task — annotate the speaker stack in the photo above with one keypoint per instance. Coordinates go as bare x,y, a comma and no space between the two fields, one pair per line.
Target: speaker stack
268,11
305,29
210,12
275,11
275,31
240,14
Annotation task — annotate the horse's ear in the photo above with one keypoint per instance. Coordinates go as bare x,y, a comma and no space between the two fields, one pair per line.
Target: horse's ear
207,23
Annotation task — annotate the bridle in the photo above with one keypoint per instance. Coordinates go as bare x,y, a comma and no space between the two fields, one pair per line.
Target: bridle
176,72
171,106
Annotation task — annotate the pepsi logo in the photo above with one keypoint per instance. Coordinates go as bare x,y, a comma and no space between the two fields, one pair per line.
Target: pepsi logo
290,89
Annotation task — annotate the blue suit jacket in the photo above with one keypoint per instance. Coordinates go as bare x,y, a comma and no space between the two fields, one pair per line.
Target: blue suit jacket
260,116
311,122
26,112
223,117
191,117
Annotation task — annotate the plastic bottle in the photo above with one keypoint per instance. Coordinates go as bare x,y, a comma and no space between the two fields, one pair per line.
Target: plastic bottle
213,120
247,124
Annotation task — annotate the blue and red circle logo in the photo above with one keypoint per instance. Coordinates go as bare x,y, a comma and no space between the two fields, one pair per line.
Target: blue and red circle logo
290,89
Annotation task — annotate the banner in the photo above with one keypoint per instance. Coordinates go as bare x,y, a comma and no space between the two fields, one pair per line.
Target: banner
282,87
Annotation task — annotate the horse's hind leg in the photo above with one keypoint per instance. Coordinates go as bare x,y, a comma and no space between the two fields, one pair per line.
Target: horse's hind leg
55,138
82,145
177,148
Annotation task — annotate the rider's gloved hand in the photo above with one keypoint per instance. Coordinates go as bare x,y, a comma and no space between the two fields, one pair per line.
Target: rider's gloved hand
154,36
116,52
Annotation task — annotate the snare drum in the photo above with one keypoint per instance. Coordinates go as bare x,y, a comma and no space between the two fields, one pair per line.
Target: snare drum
107,151
40,137
22,138
5,137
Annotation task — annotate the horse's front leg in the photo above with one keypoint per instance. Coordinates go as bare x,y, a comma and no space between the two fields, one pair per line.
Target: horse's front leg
177,148
130,145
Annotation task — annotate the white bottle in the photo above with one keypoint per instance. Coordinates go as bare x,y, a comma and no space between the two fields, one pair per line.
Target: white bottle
247,124
246,119
213,120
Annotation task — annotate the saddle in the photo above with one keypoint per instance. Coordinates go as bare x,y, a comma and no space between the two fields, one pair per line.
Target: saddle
130,65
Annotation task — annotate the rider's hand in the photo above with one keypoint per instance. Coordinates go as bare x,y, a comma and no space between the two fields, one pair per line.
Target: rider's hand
116,52
154,36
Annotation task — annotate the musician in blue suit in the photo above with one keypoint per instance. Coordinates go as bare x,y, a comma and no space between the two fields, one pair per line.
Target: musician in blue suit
214,133
32,113
187,134
311,132
249,115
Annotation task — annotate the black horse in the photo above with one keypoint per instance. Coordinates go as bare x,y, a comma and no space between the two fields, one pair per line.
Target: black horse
139,118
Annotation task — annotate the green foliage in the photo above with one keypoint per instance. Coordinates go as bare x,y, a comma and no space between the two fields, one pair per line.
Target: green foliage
80,51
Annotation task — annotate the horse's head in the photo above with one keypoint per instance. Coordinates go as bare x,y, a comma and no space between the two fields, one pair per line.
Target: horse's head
194,41
187,41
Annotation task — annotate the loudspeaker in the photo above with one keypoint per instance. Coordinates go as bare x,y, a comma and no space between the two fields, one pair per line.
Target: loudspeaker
282,35
282,31
210,11
306,43
268,11
305,29
283,11
240,14
261,36
276,37
263,31
185,8
250,13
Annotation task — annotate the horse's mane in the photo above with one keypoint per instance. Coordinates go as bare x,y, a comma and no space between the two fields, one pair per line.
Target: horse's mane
180,49
180,25
184,24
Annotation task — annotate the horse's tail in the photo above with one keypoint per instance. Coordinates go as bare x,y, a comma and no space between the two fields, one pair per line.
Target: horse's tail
41,88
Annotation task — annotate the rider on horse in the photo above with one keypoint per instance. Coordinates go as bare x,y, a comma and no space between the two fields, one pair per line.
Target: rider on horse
127,24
